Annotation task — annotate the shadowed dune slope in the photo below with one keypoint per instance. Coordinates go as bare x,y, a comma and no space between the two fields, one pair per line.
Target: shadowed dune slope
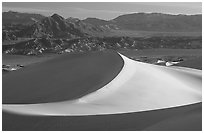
66,77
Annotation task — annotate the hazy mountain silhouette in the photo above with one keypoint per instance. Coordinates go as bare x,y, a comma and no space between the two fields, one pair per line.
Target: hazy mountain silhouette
12,17
153,22
159,22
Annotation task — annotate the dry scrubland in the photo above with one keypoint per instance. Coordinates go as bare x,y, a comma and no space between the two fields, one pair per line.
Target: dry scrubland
157,53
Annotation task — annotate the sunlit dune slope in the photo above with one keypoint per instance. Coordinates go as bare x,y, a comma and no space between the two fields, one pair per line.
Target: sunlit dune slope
65,77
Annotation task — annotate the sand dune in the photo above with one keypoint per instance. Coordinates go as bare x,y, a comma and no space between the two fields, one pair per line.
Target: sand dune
65,77
138,87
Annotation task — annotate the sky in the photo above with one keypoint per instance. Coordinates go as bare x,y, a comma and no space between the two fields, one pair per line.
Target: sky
102,10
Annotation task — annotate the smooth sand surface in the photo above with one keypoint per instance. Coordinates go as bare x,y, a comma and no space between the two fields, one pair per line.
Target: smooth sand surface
185,118
138,87
65,77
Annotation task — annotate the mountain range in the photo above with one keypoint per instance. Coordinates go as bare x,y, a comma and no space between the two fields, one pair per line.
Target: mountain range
37,25
36,34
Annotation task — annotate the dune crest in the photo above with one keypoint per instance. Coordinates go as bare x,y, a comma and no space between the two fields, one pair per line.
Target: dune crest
138,87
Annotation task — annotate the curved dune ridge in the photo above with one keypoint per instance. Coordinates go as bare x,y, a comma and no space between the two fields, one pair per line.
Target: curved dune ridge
138,87
66,77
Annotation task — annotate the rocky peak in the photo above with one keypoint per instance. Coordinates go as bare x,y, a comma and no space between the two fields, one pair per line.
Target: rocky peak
57,17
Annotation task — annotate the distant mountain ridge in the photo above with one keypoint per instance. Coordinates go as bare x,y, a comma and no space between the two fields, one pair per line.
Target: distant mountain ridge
152,22
96,21
159,22
56,26
135,21
53,26
31,34
12,17
28,25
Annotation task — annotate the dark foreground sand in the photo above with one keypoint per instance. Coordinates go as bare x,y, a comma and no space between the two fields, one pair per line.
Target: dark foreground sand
184,118
66,77
180,118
